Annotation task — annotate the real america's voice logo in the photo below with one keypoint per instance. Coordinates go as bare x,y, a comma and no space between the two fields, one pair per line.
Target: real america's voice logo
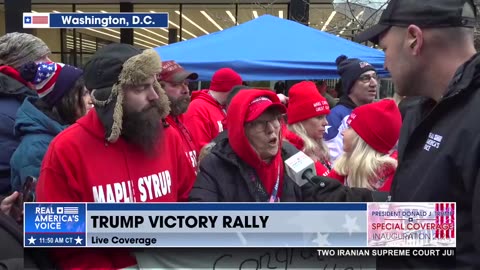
411,225
53,217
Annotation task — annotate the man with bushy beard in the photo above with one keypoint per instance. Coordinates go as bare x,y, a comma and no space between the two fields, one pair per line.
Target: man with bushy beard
174,79
121,151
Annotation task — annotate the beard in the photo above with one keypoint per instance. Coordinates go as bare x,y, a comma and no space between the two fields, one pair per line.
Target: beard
179,105
144,128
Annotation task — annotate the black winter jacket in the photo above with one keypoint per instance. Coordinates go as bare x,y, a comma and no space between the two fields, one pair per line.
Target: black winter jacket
439,161
439,157
223,177
12,254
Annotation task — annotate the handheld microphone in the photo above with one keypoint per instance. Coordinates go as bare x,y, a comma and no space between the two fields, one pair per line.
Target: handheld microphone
300,168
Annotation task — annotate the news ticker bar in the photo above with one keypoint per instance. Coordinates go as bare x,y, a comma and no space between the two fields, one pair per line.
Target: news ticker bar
240,225
290,258
95,20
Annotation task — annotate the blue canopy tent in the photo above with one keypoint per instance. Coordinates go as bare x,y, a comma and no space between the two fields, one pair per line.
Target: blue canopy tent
269,48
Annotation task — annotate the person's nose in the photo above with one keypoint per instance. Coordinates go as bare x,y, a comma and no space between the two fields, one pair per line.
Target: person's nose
325,122
185,90
89,99
152,94
270,127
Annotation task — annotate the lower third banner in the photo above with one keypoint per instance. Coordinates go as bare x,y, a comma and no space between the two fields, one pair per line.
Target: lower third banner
234,225
205,225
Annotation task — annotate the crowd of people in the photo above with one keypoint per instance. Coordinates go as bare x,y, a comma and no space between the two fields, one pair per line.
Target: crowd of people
126,128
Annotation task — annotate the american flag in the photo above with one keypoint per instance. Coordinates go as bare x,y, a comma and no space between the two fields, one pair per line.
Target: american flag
46,77
70,210
36,19
445,218
67,210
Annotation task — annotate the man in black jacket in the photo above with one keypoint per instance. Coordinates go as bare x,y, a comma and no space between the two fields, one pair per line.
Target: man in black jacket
429,52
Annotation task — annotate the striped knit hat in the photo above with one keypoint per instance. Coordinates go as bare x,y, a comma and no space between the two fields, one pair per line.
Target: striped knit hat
51,80
17,49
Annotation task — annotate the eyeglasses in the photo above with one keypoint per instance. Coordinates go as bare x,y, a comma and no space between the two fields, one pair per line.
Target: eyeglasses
365,78
262,125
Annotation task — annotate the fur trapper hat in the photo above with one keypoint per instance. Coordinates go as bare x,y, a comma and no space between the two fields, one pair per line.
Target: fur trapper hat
133,67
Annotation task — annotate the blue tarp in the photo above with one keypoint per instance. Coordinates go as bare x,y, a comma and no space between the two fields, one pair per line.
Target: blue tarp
269,48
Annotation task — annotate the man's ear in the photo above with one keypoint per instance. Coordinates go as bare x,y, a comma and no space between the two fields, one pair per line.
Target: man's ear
414,39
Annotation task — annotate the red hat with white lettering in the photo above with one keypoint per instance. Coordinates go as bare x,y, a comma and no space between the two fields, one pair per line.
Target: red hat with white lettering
259,105
378,124
305,102
173,72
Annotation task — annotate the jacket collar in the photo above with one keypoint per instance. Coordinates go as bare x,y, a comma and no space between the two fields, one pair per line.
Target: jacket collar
346,101
465,76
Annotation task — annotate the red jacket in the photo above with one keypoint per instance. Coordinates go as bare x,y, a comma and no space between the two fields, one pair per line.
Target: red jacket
387,173
187,139
80,167
204,118
294,139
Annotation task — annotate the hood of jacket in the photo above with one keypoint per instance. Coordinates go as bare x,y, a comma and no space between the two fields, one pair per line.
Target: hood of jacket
204,95
237,113
31,120
11,83
346,101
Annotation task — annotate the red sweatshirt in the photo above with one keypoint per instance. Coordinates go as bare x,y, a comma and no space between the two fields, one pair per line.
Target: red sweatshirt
188,142
204,118
80,167
294,139
386,173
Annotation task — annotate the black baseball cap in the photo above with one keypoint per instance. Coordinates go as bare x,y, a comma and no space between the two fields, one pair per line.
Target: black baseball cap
422,13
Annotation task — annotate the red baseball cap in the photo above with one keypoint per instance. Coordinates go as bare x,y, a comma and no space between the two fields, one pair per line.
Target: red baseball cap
259,105
173,72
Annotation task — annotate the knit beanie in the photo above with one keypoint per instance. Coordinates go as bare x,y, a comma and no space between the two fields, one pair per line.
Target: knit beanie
350,70
224,80
17,49
378,124
52,81
305,102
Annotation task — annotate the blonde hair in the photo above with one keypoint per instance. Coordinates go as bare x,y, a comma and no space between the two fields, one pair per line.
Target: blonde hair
363,165
317,150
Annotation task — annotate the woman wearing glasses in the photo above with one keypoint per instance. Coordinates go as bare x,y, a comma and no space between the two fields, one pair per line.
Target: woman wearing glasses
359,85
248,165
307,121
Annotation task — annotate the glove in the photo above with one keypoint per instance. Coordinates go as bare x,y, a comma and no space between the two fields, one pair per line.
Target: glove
328,189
